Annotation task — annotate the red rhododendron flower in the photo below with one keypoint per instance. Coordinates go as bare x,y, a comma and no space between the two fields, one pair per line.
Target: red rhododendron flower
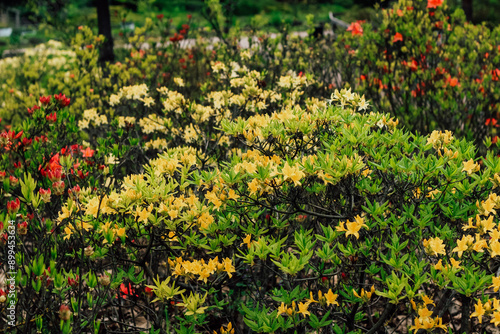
397,38
400,12
355,28
45,99
491,121
495,74
81,175
127,291
434,3
63,100
73,282
51,118
160,16
414,65
13,206
32,110
73,192
27,142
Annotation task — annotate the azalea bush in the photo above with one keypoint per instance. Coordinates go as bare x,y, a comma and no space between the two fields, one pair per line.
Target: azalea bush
428,67
322,218
192,185
418,61
46,173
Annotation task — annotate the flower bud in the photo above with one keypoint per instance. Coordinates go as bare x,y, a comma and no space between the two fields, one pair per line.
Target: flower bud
64,313
104,280
45,195
58,187
89,251
13,180
22,228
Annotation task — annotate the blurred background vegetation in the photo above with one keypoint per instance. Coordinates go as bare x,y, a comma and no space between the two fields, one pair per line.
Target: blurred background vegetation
41,20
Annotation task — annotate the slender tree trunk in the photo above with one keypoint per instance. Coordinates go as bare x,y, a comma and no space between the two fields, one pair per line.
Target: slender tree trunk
104,24
467,7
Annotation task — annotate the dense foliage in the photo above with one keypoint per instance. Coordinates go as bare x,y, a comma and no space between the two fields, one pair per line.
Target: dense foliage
195,184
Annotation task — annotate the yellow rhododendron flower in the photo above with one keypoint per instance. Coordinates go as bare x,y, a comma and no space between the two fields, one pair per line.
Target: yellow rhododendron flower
470,167
281,309
463,245
247,240
69,231
352,228
364,295
480,244
427,300
496,283
434,246
331,298
293,173
228,267
455,264
488,207
479,311
303,309
494,248
253,186
229,329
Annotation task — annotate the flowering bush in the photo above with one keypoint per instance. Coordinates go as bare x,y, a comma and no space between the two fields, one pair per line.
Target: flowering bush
188,187
428,67
322,218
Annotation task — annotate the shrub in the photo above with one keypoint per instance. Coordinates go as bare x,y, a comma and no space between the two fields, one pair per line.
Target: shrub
428,67
226,190
329,219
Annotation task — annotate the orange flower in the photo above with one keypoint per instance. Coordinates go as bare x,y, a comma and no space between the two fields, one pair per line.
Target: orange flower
451,81
355,28
434,3
88,152
397,37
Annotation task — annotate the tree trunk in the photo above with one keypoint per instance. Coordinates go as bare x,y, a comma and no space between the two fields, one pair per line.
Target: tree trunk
467,7
104,24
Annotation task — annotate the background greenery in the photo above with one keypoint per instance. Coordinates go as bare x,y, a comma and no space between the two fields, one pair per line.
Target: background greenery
59,19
